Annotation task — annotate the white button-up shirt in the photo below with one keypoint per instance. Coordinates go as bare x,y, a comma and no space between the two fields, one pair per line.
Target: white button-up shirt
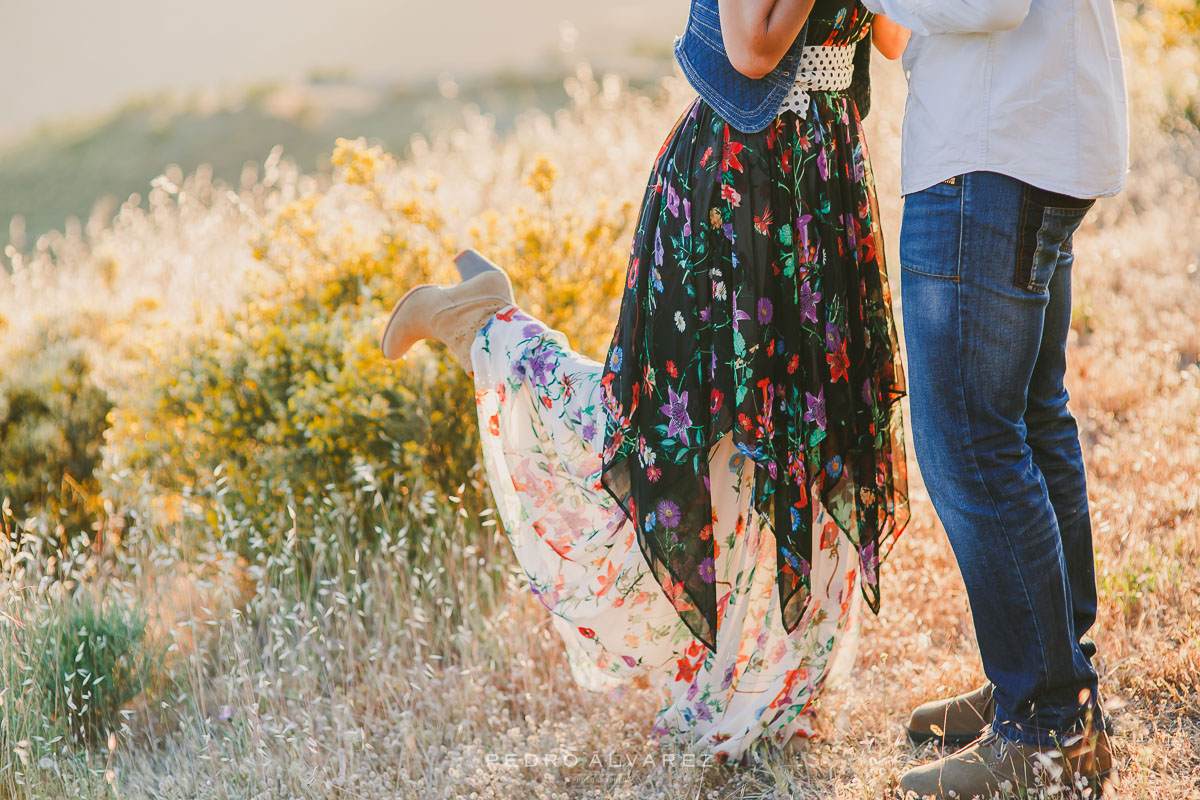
1032,89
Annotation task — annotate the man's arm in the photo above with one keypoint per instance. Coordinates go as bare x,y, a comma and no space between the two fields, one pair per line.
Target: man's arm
925,17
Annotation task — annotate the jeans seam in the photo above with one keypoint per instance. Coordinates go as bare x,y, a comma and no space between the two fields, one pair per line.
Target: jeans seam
975,457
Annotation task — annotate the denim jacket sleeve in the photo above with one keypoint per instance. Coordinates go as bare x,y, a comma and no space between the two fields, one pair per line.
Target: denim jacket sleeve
748,104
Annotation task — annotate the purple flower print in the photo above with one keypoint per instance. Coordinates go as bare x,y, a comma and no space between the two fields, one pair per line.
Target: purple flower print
764,311
851,229
668,512
727,229
676,411
870,563
866,394
541,365
703,712
705,313
738,314
727,680
833,337
802,223
808,303
707,573
658,247
672,200
532,329
823,164
589,430
816,408
687,217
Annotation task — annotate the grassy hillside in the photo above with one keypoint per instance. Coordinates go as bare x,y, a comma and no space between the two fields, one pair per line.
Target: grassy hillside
244,557
61,171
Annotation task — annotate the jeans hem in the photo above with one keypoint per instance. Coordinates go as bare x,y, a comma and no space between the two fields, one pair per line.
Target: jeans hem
1090,720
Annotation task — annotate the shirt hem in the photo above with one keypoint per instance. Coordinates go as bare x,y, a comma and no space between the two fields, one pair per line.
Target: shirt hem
1083,191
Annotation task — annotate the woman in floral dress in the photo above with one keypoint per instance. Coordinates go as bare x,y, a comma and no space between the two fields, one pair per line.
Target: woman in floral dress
700,512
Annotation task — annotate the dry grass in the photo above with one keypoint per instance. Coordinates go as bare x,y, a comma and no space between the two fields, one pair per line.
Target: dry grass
369,679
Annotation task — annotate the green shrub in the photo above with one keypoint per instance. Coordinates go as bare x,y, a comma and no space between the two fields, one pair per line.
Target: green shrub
68,667
95,657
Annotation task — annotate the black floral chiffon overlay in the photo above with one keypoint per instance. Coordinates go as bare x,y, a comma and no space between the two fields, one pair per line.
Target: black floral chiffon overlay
757,302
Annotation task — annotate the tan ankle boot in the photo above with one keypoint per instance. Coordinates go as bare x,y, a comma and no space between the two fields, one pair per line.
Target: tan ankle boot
955,722
452,314
995,768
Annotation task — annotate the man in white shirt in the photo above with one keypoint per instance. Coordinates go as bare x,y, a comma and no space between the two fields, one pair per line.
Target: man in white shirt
1015,121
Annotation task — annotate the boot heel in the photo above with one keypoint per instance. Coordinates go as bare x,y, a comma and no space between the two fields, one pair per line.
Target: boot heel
471,263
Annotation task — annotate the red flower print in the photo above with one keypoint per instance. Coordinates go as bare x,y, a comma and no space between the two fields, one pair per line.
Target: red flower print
672,369
588,632
729,159
867,248
793,364
829,535
674,592
763,221
728,193
744,421
839,363
704,158
633,273
715,402
687,670
785,161
494,424
507,315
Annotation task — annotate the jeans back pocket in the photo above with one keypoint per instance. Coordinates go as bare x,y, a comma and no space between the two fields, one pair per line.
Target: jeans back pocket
1046,226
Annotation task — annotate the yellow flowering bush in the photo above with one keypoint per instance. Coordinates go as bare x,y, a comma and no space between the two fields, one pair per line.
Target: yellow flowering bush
1164,65
287,395
52,419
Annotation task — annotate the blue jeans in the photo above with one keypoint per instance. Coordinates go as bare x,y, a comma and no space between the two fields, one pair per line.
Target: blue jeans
986,300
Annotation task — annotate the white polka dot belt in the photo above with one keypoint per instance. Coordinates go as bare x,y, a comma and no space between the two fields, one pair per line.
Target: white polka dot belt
821,69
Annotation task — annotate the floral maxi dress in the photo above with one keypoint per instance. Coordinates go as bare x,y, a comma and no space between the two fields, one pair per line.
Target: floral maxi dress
700,512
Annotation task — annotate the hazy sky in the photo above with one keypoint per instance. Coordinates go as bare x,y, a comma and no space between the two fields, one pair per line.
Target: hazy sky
71,57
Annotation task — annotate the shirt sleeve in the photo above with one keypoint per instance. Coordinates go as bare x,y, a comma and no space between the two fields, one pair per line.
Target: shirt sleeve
927,17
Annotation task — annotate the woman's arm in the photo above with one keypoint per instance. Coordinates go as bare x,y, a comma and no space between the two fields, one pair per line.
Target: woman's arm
888,37
757,33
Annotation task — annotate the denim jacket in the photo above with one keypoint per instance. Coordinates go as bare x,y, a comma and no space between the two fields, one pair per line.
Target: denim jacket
748,104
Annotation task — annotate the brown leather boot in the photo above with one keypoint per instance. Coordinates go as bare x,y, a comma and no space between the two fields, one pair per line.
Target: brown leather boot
995,768
955,722
452,314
